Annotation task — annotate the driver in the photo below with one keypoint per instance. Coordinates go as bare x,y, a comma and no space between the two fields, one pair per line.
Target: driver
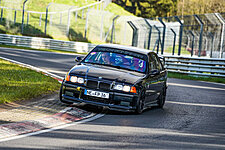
105,58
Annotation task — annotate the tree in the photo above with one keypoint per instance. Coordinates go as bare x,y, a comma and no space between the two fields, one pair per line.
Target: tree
150,8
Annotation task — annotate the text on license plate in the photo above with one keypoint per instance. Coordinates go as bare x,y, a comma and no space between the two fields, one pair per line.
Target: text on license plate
96,93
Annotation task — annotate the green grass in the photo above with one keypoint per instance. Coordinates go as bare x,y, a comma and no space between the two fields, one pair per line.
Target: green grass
19,83
117,10
192,77
170,50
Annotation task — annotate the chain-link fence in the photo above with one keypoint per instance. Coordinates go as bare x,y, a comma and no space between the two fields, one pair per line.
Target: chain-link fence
197,35
58,21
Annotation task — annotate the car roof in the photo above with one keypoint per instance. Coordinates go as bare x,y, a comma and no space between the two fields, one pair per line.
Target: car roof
126,48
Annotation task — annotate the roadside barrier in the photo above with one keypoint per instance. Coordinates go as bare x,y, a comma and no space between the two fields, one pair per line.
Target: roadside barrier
196,66
213,67
45,43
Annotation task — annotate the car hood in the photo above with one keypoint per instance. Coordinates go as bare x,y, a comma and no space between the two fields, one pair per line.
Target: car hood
106,72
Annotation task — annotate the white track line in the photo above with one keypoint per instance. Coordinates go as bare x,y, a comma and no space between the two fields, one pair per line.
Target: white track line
32,67
55,128
196,104
52,129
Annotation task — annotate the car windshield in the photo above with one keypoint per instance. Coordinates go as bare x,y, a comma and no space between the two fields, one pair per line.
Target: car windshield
117,60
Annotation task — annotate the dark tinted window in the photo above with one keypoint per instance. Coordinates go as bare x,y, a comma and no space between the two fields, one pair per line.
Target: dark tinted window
155,63
118,59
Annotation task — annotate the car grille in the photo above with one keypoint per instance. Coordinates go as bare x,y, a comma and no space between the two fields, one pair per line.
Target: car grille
102,85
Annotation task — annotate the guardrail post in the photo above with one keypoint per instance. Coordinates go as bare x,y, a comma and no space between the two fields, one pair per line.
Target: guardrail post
86,24
1,14
23,15
113,28
180,35
221,19
192,44
150,33
46,18
68,21
164,33
200,36
135,35
174,40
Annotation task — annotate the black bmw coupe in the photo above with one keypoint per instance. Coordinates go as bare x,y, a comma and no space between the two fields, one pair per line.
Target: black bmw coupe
118,77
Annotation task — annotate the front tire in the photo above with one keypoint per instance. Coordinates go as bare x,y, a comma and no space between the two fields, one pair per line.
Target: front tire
60,96
162,98
140,104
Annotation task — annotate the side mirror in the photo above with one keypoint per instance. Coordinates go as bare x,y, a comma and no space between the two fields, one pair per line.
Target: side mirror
78,59
154,72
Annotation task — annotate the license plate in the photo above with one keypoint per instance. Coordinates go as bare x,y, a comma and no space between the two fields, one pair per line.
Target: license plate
96,94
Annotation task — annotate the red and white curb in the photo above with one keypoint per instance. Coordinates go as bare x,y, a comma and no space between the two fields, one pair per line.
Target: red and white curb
67,117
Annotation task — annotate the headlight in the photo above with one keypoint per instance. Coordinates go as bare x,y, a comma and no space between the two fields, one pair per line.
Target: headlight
80,80
118,87
126,88
73,79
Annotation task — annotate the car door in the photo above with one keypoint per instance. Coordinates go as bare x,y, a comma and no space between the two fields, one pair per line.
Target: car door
154,79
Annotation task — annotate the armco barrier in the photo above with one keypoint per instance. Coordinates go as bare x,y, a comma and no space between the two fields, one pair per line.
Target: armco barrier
189,65
45,43
196,66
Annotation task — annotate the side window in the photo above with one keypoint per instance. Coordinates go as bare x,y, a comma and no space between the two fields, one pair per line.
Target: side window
152,63
156,61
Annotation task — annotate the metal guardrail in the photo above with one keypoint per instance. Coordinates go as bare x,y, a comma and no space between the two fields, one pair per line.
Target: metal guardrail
189,65
45,43
196,66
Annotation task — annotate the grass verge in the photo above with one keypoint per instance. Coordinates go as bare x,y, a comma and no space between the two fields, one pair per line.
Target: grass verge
192,77
19,83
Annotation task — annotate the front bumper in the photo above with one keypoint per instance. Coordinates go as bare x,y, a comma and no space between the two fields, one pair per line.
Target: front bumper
117,101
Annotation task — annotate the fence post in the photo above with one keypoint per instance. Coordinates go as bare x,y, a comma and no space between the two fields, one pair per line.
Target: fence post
200,36
180,35
40,19
46,18
28,16
86,24
221,19
174,40
164,33
68,20
101,30
150,33
1,14
135,35
113,28
159,39
212,45
192,44
23,15
15,17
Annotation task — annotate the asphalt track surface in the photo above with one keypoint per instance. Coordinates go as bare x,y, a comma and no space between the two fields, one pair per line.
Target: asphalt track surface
193,117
